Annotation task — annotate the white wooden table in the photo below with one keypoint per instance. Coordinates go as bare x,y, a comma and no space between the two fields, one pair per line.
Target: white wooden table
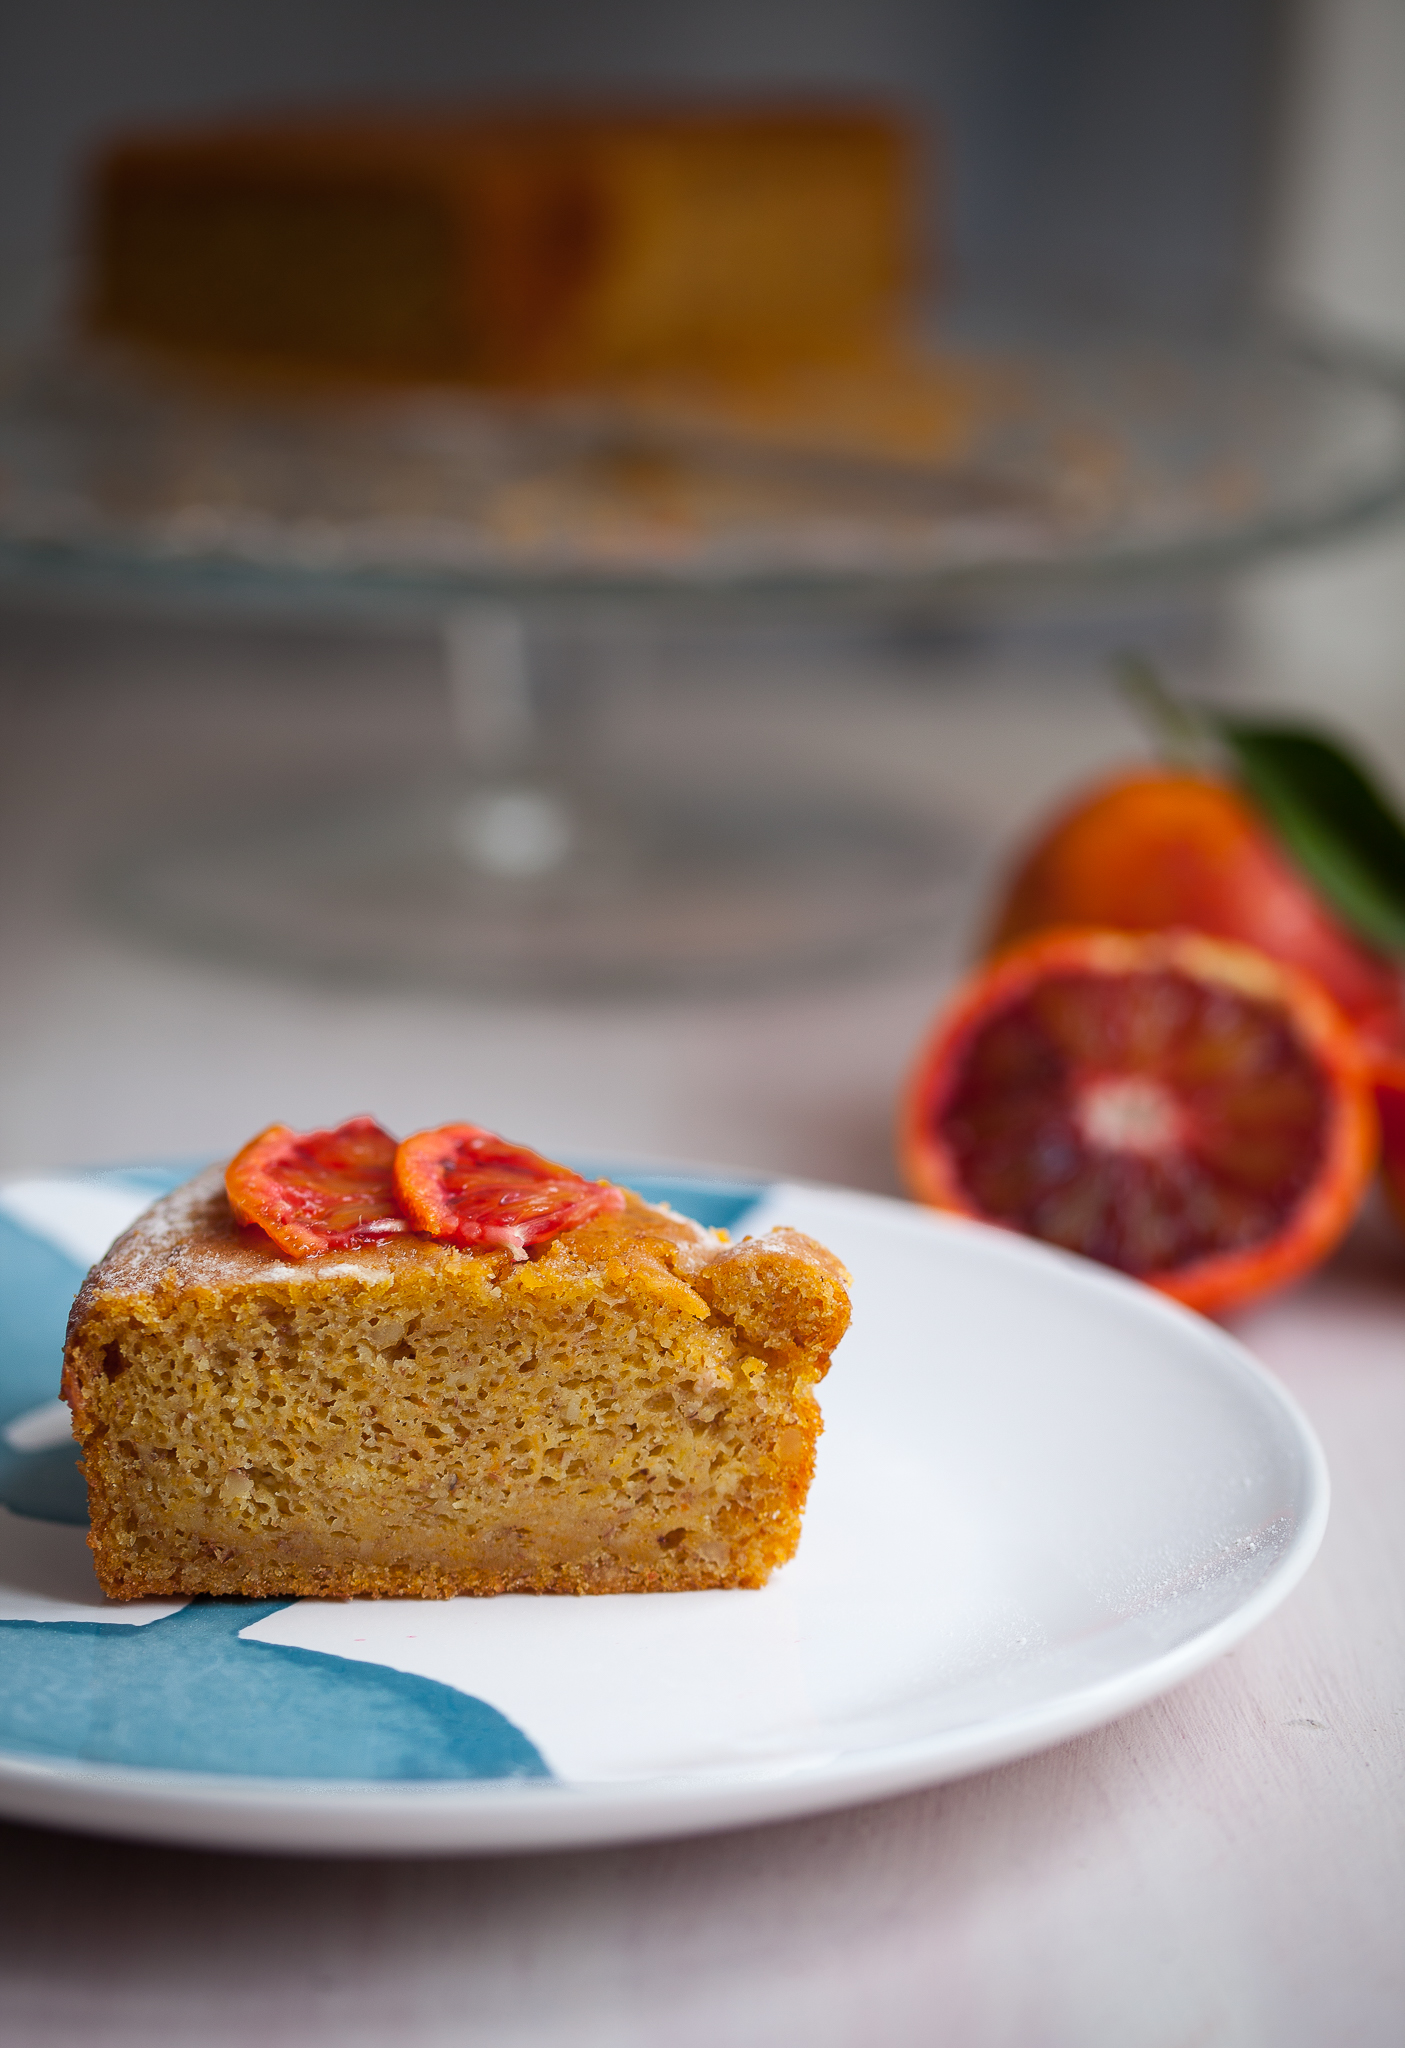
1224,1869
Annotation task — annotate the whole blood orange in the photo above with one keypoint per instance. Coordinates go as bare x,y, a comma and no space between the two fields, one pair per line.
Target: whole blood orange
318,1191
1160,848
466,1186
1188,1111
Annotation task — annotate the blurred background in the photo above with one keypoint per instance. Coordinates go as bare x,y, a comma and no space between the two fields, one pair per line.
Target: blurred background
1121,156
1178,168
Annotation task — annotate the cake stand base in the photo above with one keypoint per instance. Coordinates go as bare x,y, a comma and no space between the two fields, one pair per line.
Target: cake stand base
623,890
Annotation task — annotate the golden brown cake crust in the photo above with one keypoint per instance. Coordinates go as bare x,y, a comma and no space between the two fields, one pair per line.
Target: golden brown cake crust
629,1409
517,247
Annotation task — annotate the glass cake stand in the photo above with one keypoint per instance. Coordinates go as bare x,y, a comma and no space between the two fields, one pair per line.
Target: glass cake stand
531,860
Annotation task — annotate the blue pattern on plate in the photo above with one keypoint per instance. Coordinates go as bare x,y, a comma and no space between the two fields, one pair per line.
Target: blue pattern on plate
47,1485
720,1204
37,1286
185,1693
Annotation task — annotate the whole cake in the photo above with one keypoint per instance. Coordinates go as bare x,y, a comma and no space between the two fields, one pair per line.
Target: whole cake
519,247
448,1367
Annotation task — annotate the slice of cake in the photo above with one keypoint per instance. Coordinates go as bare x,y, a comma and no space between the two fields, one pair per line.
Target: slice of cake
520,247
620,1405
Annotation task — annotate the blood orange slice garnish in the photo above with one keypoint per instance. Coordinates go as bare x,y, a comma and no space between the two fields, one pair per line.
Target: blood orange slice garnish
318,1191
466,1186
1188,1111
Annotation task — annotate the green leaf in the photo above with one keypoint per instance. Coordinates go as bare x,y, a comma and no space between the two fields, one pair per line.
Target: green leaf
1331,818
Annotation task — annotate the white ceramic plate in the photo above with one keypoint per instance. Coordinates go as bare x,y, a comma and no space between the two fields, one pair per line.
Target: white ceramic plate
1044,1496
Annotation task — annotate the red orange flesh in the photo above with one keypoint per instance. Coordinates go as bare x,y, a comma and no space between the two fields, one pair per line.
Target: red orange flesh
318,1191
1190,1112
1386,1057
467,1186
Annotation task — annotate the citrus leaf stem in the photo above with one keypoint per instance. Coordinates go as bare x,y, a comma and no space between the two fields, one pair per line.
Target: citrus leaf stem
1184,733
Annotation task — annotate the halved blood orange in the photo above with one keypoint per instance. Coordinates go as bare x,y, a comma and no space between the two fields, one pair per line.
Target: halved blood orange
1188,1111
467,1186
1157,848
318,1191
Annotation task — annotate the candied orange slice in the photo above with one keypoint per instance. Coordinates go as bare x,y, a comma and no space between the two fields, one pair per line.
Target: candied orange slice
318,1191
466,1186
1188,1111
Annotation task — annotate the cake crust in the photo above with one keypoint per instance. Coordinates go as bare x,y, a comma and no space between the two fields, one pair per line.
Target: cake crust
628,1409
523,247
